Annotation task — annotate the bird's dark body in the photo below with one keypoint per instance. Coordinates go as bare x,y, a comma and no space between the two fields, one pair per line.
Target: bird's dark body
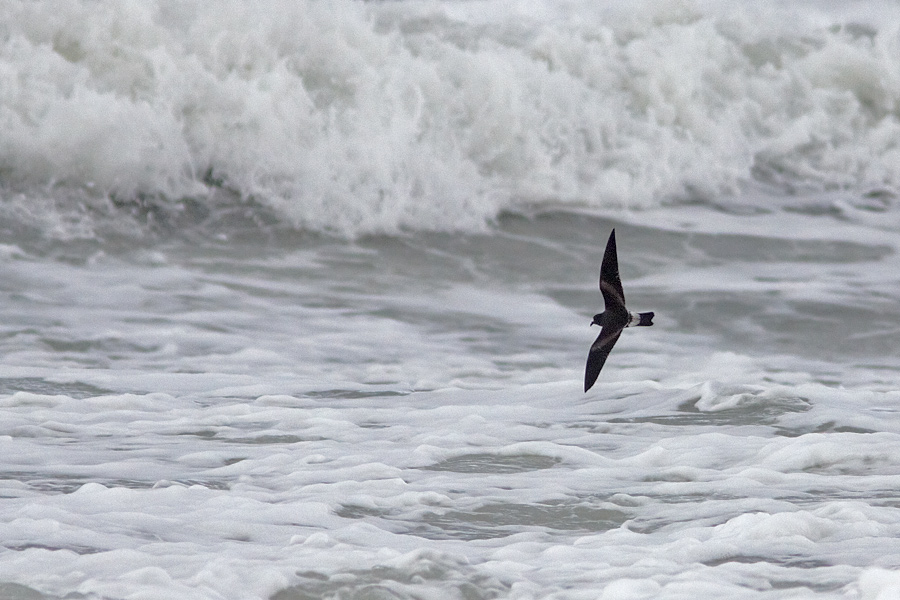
615,318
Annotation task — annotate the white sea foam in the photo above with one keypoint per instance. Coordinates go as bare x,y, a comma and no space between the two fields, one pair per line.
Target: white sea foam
368,117
200,401
403,417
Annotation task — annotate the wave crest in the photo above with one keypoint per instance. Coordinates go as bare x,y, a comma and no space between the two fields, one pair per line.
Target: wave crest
357,118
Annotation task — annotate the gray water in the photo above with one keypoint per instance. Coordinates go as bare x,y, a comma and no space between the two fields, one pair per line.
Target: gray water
295,300
403,414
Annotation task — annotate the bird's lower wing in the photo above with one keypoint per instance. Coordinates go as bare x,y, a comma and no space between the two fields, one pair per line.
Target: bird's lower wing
600,350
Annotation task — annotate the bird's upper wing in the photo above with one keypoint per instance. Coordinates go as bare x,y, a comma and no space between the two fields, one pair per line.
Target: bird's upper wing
600,349
610,284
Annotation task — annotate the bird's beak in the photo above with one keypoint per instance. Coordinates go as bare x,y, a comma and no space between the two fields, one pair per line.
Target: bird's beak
593,323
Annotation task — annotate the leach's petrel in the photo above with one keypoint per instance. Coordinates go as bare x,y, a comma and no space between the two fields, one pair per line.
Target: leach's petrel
614,318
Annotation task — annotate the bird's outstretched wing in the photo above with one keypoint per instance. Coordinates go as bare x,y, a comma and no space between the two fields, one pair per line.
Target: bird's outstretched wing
600,350
610,284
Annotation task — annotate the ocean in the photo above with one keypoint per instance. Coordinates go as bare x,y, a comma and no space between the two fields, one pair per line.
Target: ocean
295,300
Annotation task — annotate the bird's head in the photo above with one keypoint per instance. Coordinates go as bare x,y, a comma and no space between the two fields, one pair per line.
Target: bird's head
598,320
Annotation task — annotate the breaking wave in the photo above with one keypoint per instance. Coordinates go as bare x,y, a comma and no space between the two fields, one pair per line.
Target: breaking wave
353,118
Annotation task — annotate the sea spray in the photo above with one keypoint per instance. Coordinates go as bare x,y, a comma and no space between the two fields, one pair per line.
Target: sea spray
374,117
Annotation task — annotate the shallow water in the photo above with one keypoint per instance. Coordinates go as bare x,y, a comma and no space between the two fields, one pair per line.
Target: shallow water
303,312
399,415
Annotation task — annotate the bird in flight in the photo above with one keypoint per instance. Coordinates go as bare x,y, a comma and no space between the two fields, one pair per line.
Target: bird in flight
615,316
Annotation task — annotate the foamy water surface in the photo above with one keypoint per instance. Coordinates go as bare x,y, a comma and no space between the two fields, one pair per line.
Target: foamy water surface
295,300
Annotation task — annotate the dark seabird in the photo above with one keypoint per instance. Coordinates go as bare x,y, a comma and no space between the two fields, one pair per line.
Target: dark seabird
614,318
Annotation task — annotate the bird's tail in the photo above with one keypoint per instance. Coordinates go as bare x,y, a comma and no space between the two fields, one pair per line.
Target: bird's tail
646,319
